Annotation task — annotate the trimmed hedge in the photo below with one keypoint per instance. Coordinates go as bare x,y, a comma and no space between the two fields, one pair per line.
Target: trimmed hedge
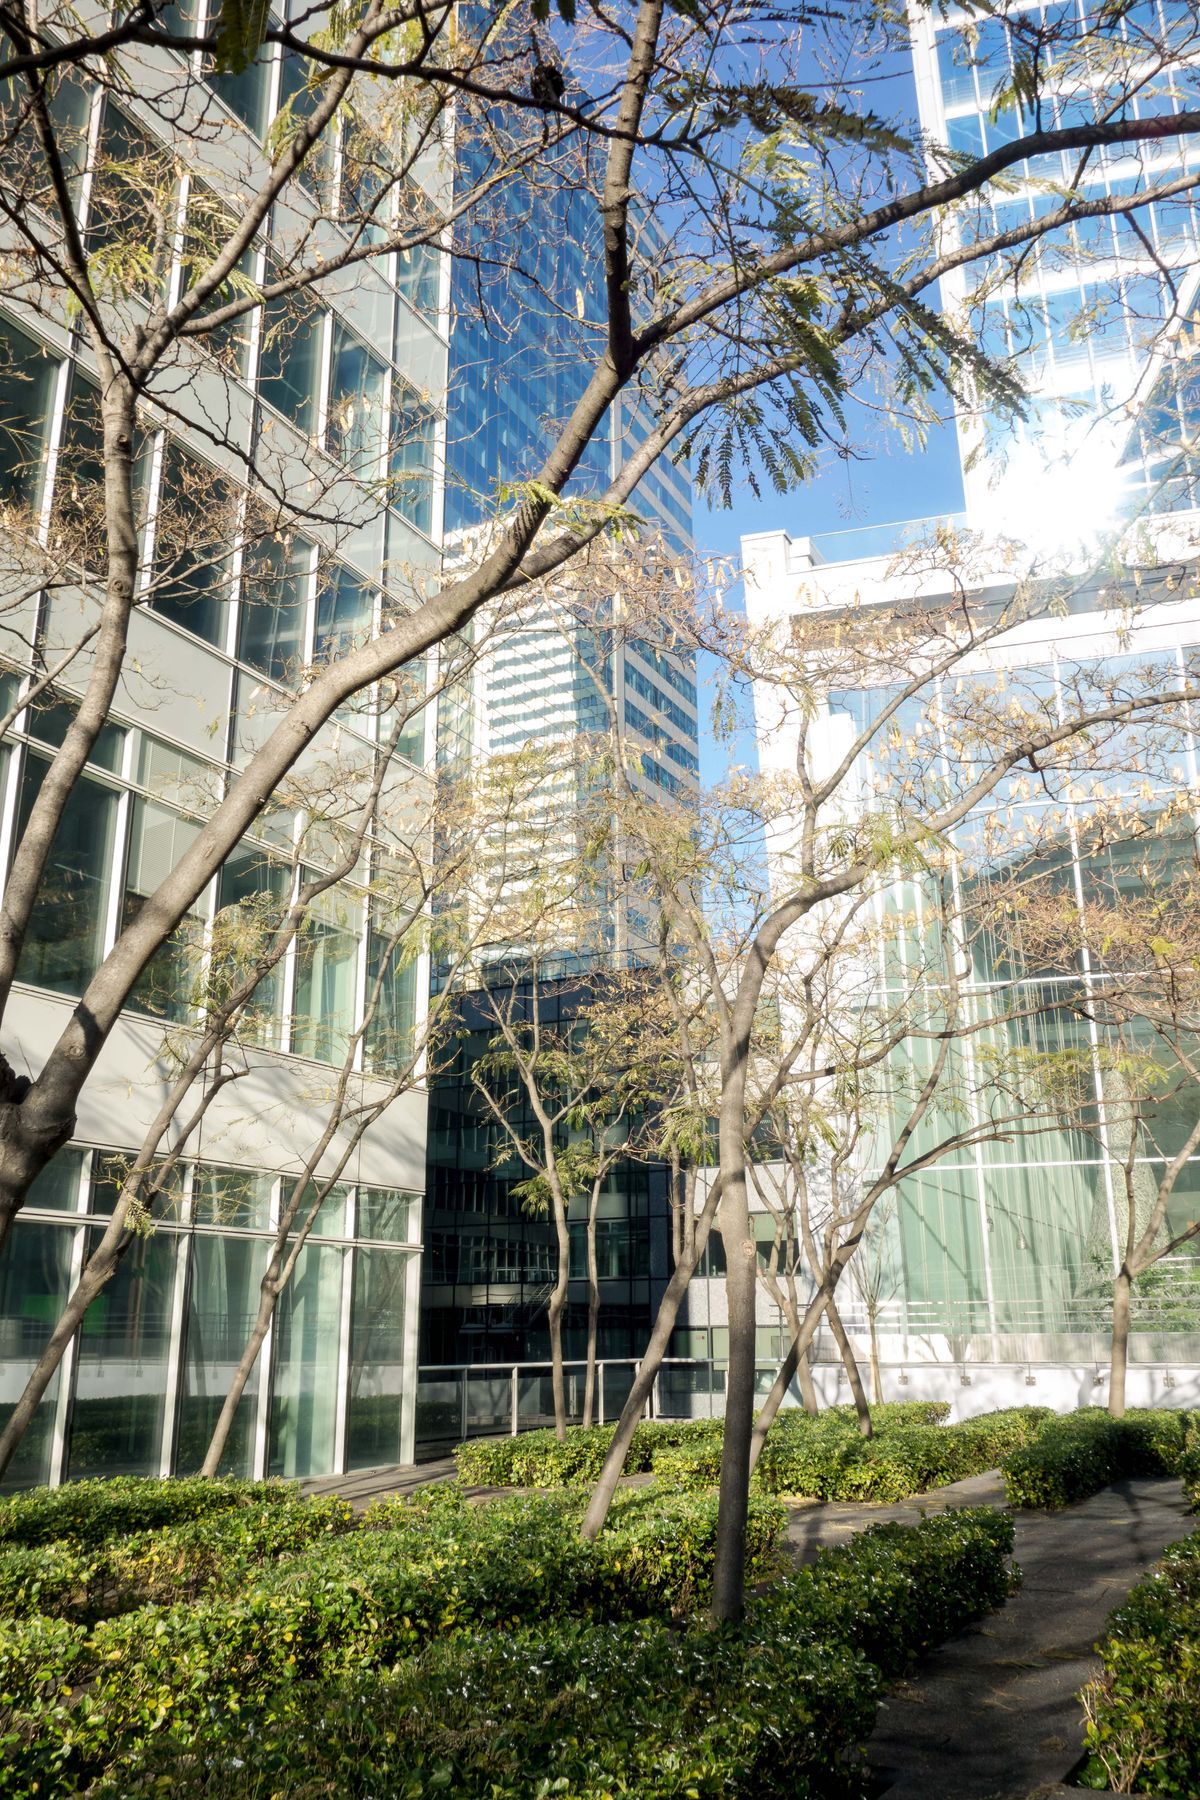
536,1459
92,1512
1143,1712
72,1701
822,1457
825,1459
1079,1453
589,1711
222,1551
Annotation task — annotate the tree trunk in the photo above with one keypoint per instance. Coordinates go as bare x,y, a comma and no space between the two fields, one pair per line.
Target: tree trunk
268,1294
876,1371
97,1272
593,1316
797,1349
808,1392
554,1318
741,1287
651,1362
1119,1360
850,1364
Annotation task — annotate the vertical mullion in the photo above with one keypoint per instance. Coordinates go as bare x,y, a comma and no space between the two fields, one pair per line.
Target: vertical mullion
66,1370
343,1361
179,1294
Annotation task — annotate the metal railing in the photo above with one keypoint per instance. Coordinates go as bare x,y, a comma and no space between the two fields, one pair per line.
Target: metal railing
461,1400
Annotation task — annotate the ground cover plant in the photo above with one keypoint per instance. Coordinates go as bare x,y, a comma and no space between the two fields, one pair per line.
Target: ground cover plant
1143,1711
1079,1453
583,1707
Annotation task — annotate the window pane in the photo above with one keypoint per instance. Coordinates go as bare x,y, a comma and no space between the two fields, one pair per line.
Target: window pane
418,277
222,1304
79,475
210,223
158,838
326,978
172,775
377,1369
247,94
389,1035
331,1219
34,1276
304,1385
251,900
410,462
58,1184
367,184
120,1385
48,720
133,185
345,612
289,364
231,1197
299,93
26,394
356,388
196,523
384,1214
65,940
274,596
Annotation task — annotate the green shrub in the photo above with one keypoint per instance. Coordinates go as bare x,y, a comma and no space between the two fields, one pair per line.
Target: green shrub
1189,1469
584,1711
895,1590
1143,1712
536,1458
594,1710
889,1413
826,1459
92,1512
359,1601
1079,1453
222,1551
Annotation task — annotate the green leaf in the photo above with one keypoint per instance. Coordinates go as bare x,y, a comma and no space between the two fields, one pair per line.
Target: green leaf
241,27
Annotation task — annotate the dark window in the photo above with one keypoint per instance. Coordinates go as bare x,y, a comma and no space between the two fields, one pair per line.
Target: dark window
27,375
196,524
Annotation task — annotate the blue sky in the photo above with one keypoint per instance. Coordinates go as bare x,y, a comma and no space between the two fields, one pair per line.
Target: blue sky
887,486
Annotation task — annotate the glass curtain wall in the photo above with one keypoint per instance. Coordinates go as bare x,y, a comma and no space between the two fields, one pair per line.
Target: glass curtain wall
140,1390
1013,1242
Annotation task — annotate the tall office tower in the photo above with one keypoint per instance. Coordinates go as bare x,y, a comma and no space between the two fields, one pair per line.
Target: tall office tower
288,504
527,325
527,311
1098,322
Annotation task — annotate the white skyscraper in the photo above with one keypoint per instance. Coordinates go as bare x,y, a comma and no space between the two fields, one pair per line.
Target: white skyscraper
1097,321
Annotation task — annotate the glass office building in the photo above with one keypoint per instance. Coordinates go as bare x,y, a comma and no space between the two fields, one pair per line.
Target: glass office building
1096,320
489,1264
527,326
340,403
1005,1252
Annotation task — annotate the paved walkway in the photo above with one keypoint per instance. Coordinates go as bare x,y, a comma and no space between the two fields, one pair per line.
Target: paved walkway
366,1485
992,1714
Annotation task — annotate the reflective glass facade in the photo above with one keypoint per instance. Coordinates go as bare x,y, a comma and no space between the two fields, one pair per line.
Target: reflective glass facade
338,397
527,328
1092,319
489,1266
141,1387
